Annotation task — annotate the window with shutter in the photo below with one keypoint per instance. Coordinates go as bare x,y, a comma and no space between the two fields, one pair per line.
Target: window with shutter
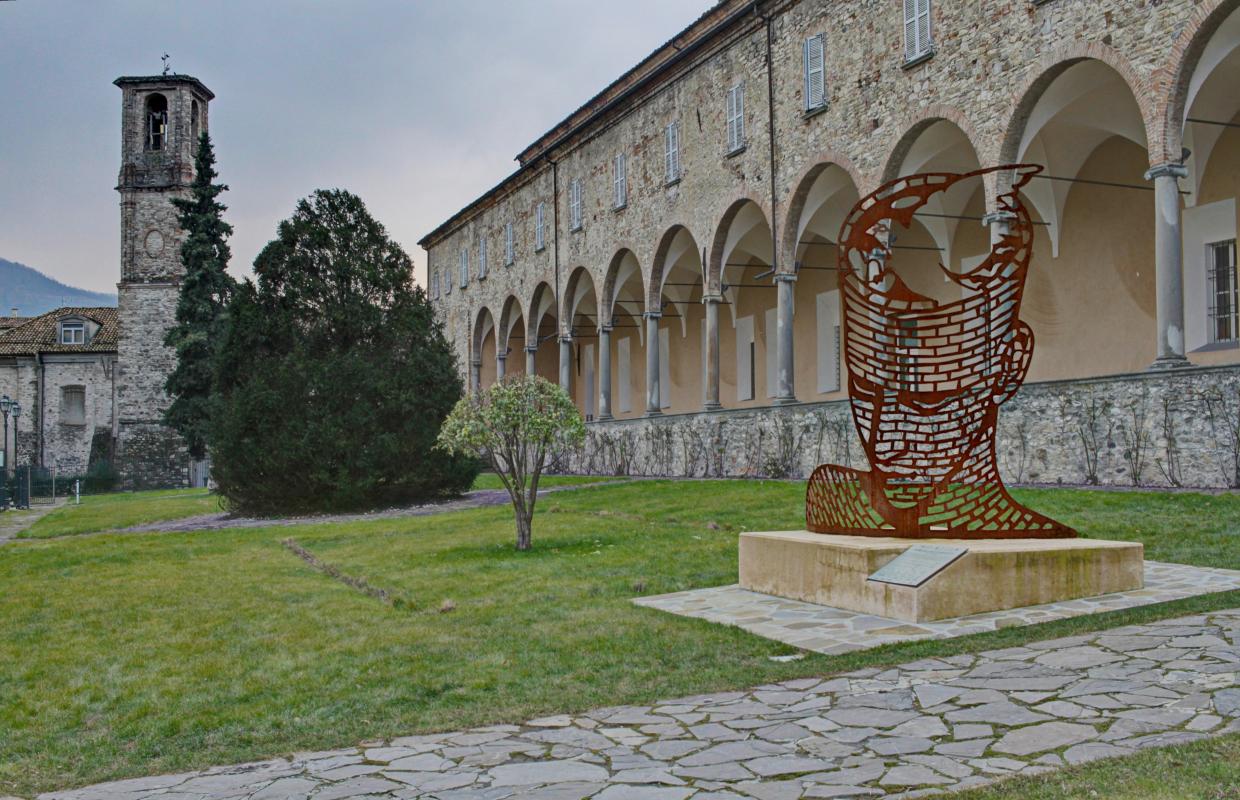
540,242
464,267
447,281
434,285
736,117
620,181
510,246
482,258
917,43
671,147
815,73
574,204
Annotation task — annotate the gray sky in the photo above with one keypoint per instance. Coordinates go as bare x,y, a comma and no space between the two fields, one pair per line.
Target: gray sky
418,106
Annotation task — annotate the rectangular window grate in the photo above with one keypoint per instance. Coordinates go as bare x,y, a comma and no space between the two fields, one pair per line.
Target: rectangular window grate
1221,283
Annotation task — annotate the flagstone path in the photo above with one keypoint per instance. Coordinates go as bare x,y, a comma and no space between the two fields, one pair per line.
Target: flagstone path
926,726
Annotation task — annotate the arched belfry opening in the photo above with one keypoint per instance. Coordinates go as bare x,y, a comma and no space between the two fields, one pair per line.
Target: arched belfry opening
156,122
194,124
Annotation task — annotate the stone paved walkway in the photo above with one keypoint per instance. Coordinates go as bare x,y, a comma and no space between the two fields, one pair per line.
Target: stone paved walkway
832,630
929,725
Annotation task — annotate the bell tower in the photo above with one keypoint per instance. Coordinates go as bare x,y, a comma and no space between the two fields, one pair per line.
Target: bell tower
162,117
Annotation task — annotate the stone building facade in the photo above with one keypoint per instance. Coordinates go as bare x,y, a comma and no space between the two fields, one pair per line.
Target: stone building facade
123,363
162,118
60,367
687,218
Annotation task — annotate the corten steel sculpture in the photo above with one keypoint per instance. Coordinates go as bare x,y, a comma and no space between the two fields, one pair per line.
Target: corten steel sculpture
926,379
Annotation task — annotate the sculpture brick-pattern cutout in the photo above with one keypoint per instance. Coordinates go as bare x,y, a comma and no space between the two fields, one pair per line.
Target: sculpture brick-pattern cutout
926,379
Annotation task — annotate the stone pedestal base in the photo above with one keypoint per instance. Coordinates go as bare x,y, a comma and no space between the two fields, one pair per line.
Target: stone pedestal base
994,574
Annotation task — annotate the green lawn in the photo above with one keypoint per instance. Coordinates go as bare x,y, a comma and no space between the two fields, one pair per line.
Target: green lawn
133,654
489,480
1205,770
103,512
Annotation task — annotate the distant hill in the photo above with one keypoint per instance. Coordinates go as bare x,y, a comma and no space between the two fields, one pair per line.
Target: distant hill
33,293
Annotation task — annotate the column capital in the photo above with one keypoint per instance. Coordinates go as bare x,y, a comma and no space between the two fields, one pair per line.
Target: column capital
1169,169
604,329
712,298
501,356
785,277
531,348
992,217
566,338
475,362
652,315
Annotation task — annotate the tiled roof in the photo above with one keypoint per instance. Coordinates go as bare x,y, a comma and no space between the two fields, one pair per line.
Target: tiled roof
12,322
41,334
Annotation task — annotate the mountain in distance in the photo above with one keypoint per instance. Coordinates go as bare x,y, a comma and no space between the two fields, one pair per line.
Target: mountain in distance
33,293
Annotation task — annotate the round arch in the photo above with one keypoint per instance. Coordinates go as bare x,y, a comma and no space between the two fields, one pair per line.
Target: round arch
1186,57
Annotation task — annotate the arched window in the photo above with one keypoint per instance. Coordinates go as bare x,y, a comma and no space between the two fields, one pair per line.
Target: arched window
193,124
156,122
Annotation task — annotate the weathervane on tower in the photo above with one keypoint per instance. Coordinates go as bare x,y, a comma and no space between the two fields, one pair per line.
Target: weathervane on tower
167,66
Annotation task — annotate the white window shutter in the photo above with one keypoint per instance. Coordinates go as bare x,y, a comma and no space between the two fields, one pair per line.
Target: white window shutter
510,246
447,280
482,258
732,119
464,267
538,227
815,72
923,27
736,117
672,147
435,285
620,181
910,29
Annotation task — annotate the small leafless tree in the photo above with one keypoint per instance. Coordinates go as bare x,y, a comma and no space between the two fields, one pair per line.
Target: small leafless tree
1090,421
1222,409
1134,434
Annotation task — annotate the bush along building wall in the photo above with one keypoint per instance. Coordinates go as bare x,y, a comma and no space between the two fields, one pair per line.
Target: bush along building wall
1154,429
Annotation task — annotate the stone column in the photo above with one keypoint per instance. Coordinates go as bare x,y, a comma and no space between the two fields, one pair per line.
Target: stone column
501,363
1168,265
604,372
566,363
712,301
530,352
475,376
653,406
785,386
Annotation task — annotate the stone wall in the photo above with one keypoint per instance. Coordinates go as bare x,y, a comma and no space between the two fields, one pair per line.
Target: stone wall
65,443
1160,429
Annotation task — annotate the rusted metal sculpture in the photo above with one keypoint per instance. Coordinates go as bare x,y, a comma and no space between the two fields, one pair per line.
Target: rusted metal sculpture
926,379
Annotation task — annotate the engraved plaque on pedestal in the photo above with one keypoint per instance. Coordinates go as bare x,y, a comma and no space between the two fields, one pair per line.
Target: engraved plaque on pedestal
918,564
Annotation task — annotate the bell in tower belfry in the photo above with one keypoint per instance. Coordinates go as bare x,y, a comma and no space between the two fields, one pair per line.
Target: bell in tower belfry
162,118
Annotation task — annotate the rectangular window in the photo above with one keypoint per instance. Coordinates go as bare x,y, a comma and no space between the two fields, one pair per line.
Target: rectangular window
624,403
771,333
736,117
434,285
671,152
917,42
482,258
447,281
620,181
815,72
510,246
1221,291
464,267
73,333
828,350
574,204
665,368
73,405
744,358
540,238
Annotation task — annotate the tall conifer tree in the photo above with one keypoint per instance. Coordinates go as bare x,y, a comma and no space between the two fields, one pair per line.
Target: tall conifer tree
205,293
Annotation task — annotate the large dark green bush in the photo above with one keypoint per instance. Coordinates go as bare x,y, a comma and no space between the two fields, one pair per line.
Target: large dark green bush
334,376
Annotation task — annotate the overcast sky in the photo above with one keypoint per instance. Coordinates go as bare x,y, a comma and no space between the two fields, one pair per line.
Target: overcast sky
418,106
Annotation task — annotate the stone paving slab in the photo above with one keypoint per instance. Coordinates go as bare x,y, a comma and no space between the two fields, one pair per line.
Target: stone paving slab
823,629
932,725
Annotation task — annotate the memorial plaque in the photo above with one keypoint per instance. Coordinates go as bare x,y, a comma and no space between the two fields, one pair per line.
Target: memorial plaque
918,564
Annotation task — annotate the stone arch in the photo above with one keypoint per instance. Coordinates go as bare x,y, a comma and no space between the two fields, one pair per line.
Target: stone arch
1044,72
623,268
673,236
580,289
796,201
542,301
719,245
916,125
484,323
1167,129
510,315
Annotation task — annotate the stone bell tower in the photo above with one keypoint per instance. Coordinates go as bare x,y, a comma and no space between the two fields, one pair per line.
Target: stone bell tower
161,119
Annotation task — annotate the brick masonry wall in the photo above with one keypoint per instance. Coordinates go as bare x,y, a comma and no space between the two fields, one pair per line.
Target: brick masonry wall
1156,429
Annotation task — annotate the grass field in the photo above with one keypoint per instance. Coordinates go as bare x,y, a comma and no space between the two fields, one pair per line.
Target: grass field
103,512
133,654
489,480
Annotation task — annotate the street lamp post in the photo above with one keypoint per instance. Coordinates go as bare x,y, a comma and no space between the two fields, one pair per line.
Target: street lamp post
5,405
